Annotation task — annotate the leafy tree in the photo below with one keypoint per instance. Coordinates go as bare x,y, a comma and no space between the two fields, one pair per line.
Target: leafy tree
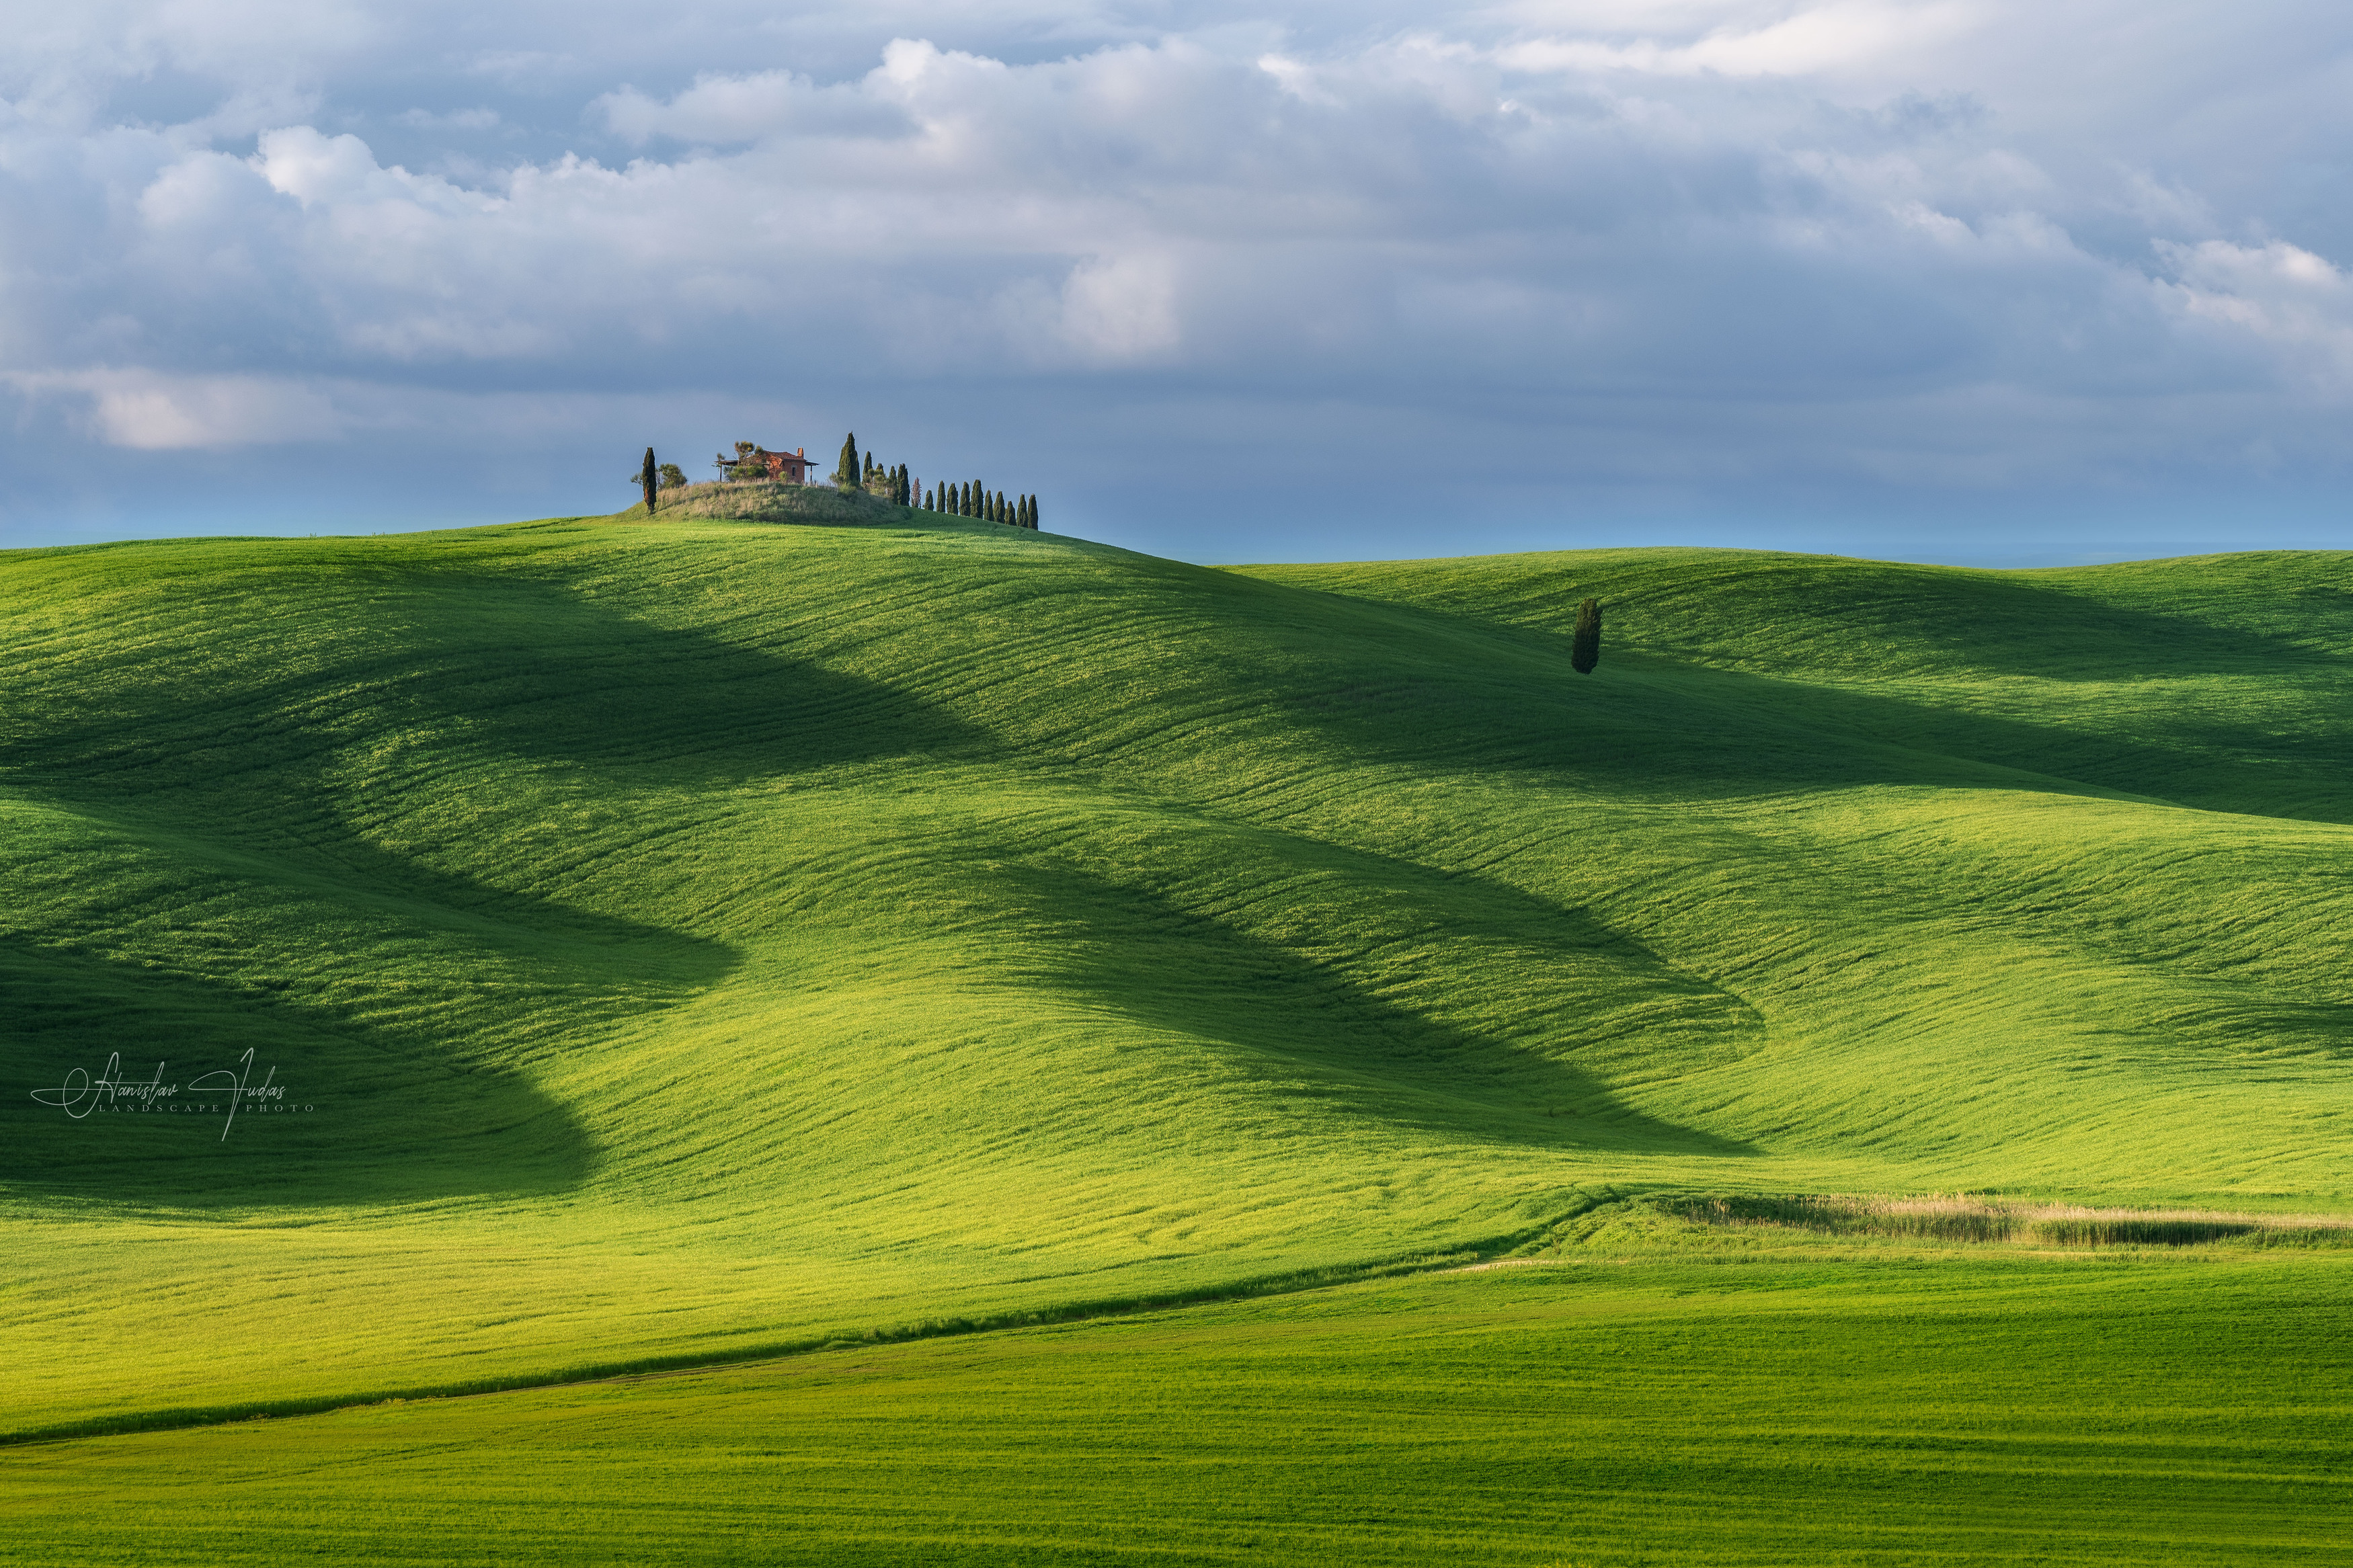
1585,642
672,477
845,472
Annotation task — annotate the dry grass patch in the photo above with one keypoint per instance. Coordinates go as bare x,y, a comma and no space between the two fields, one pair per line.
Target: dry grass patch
755,502
1966,1218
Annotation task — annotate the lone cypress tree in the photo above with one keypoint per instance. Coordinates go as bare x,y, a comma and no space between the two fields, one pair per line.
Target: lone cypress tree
650,478
1585,643
845,471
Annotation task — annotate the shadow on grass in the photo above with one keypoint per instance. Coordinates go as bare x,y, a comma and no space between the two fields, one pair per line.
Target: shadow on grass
1429,694
237,883
1832,617
368,1113
1308,1026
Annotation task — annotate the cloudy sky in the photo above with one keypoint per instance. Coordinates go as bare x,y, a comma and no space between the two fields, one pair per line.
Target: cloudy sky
1982,280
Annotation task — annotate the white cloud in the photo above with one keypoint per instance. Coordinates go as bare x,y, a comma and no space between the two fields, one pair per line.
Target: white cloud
2278,293
1121,308
147,410
1839,36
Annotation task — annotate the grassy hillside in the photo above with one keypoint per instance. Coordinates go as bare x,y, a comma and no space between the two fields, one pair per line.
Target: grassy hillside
697,936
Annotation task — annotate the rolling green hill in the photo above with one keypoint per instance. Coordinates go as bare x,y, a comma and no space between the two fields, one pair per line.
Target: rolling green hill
684,939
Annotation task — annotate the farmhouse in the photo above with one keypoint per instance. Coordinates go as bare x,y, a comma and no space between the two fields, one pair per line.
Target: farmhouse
792,467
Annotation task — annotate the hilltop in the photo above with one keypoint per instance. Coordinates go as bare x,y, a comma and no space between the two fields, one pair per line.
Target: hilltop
699,935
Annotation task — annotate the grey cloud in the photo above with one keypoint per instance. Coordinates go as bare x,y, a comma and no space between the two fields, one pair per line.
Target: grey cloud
1672,260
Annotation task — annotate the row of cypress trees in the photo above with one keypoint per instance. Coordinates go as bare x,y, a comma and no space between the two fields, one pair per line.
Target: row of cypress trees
860,472
976,501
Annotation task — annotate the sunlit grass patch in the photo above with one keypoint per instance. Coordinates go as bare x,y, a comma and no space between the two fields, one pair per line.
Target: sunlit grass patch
1956,1411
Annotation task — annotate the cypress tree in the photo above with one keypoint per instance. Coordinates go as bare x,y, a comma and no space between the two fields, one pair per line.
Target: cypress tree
845,470
650,478
996,508
1033,511
1585,642
906,496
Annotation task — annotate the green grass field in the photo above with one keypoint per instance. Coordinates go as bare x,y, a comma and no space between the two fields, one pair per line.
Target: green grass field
704,940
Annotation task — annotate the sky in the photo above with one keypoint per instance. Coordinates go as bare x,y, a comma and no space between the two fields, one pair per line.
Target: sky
1984,281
